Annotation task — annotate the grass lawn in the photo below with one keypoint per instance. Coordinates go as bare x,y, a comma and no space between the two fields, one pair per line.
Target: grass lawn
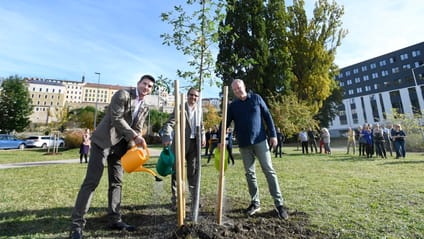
342,195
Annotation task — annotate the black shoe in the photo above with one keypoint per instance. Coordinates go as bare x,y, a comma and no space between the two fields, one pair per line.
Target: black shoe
282,213
122,226
252,209
76,233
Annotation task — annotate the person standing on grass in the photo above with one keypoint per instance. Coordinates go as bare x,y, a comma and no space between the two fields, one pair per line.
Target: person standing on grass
213,142
399,138
85,145
311,140
229,142
351,142
250,115
120,128
387,140
280,139
191,152
326,138
303,137
208,138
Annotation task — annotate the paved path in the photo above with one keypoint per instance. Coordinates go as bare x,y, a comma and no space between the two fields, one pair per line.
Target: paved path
153,152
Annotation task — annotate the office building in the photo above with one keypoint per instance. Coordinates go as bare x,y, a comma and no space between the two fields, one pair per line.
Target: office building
375,87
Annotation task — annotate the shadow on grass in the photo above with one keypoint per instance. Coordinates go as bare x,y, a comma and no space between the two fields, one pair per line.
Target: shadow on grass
402,161
56,222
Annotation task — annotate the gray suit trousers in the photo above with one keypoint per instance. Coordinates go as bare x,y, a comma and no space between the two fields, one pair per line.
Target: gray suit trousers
96,164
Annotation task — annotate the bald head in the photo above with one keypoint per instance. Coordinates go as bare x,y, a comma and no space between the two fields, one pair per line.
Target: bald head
239,89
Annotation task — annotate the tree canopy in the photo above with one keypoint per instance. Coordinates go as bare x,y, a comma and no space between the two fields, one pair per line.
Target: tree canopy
15,105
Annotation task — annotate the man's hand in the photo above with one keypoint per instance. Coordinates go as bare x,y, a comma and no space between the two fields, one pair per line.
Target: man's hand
273,142
139,141
166,143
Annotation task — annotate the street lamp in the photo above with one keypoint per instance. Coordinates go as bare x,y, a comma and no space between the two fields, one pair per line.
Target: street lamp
97,99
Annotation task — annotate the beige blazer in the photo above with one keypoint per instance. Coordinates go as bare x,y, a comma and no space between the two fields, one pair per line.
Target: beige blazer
118,123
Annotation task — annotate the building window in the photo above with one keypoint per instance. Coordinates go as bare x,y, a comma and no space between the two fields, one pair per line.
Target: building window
396,101
374,108
365,77
349,82
357,80
341,83
382,62
406,66
416,53
392,60
347,73
374,75
404,56
418,64
350,92
359,90
373,66
382,106
395,69
367,88
376,86
364,68
355,71
413,97
384,73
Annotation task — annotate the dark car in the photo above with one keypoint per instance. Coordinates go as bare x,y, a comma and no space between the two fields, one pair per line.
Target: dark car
11,142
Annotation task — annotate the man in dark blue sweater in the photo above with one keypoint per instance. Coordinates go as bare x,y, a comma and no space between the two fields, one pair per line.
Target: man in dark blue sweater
249,112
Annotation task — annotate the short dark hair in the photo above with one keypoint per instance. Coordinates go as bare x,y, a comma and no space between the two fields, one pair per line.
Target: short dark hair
147,77
192,88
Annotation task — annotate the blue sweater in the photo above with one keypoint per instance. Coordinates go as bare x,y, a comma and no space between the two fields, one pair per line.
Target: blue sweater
249,117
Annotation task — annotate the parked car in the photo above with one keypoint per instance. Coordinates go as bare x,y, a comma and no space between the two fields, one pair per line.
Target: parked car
44,141
11,142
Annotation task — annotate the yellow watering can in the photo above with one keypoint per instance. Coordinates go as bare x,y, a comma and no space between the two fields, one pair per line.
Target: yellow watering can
134,159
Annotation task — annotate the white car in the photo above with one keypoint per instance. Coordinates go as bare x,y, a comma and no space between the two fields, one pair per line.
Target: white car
44,142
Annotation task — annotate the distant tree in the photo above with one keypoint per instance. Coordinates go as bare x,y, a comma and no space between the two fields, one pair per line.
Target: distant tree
195,35
329,109
157,119
83,117
211,117
15,105
243,49
291,115
313,47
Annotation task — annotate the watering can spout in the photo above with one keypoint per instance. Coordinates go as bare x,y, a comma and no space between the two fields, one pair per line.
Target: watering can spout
134,159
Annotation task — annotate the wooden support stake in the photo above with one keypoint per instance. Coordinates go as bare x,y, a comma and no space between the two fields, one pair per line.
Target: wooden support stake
222,159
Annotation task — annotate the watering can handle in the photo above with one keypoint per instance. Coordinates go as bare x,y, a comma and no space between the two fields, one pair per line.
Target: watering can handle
134,147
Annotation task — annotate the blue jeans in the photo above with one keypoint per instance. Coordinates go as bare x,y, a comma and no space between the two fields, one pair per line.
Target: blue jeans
262,152
400,148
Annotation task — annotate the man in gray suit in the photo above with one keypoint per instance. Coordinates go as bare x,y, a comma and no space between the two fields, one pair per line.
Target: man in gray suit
191,152
120,128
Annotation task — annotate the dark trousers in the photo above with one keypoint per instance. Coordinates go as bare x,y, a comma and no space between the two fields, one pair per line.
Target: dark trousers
192,170
279,150
230,154
94,173
305,147
313,144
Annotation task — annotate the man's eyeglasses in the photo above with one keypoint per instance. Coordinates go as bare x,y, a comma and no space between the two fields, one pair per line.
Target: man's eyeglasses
193,95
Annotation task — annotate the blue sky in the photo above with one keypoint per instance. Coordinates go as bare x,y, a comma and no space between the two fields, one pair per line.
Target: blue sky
66,39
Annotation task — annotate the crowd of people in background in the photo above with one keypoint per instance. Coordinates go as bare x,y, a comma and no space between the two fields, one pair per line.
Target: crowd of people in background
378,140
309,138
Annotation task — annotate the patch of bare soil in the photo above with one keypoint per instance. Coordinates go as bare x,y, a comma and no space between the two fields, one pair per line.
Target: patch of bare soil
159,222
